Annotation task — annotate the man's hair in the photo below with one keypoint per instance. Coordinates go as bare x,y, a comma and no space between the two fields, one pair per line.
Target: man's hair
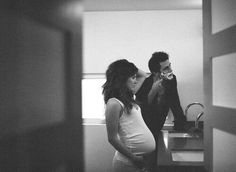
117,75
156,59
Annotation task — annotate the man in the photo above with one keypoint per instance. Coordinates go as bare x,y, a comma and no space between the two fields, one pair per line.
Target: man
158,94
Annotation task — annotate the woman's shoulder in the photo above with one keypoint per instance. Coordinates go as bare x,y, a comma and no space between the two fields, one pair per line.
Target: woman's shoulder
114,105
115,102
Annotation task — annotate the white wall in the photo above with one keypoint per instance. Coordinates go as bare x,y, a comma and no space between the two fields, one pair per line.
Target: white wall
135,35
98,153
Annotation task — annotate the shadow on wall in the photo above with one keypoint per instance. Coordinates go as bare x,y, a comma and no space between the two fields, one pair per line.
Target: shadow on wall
98,153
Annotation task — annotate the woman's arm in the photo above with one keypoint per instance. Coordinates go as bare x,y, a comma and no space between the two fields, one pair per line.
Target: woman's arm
112,113
141,76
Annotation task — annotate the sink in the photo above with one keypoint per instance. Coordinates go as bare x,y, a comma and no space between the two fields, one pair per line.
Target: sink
180,148
188,155
175,134
181,135
174,140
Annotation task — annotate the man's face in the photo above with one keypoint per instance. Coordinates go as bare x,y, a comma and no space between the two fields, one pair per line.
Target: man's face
166,70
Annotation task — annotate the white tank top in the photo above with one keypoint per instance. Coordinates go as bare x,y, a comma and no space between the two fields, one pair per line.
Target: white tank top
134,133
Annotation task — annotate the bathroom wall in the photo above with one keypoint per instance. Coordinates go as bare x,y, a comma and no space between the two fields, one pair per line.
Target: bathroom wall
135,35
98,153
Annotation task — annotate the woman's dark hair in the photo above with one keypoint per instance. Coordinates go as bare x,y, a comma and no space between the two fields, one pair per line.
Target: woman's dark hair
156,59
115,86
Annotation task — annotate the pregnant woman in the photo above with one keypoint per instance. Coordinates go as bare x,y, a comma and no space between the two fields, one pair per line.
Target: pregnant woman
126,129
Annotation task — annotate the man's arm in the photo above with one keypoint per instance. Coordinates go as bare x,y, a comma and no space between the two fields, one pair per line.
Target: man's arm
157,88
174,102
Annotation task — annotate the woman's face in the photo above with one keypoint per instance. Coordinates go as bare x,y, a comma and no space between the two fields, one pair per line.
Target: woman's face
131,83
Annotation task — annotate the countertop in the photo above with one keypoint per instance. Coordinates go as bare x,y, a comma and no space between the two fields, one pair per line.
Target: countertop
167,144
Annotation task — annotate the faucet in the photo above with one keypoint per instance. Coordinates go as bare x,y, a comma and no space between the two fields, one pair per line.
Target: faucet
197,119
198,116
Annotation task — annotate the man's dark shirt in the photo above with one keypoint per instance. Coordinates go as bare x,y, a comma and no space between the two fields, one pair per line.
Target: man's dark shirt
154,114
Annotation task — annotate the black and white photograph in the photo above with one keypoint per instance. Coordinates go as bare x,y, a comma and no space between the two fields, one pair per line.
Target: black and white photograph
117,85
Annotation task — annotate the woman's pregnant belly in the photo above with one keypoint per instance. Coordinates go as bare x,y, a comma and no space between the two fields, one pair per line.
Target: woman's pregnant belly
141,142
135,133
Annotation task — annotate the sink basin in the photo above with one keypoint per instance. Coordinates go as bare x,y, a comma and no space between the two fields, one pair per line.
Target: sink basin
180,135
176,134
188,155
